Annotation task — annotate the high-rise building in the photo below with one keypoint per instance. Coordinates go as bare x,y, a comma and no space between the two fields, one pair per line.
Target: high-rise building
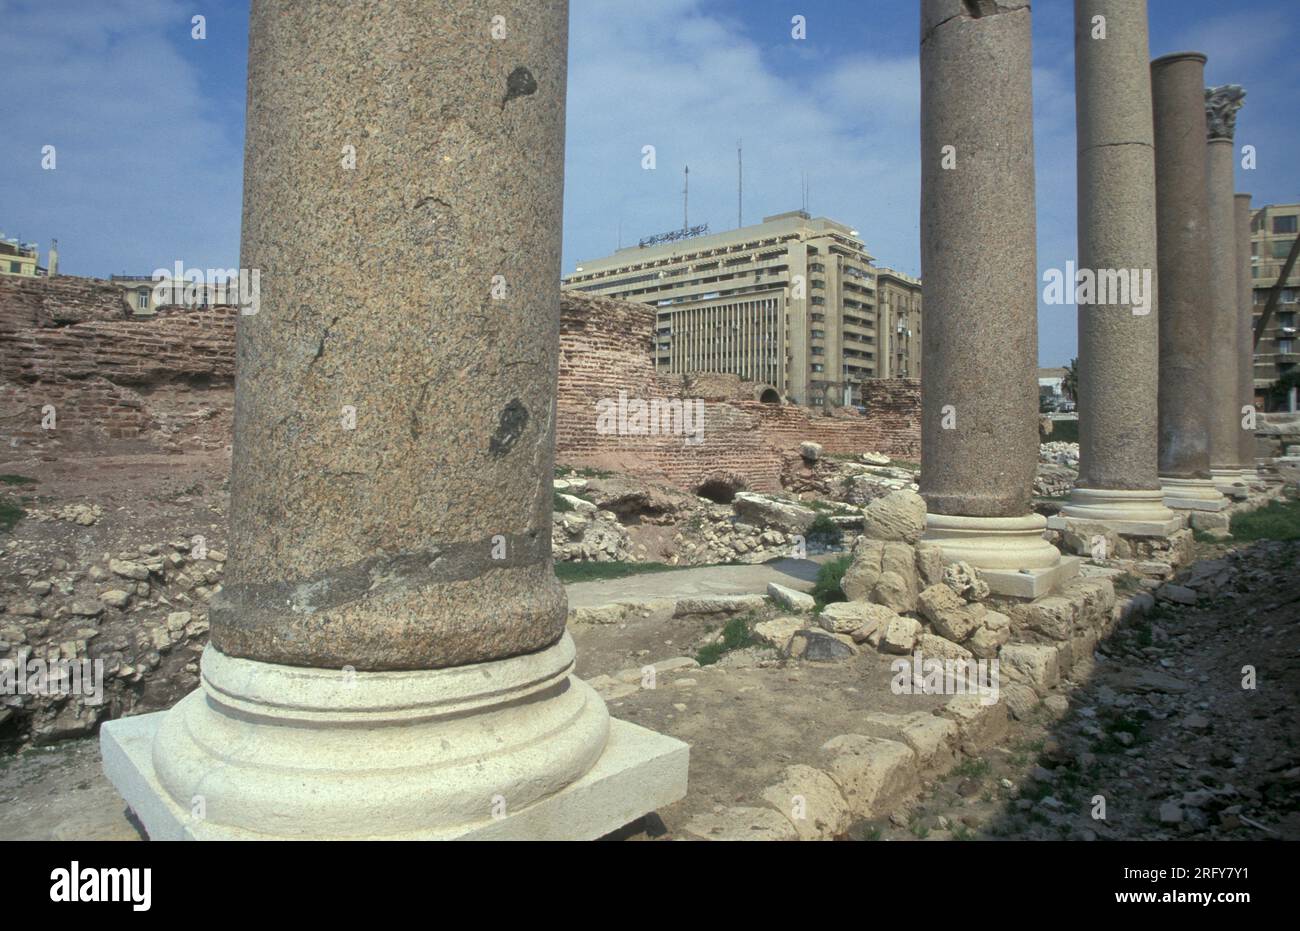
791,302
1273,229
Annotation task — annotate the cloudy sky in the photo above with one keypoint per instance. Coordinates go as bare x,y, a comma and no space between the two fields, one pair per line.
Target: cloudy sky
148,123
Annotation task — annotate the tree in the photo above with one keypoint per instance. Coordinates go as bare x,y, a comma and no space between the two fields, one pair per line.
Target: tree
1070,383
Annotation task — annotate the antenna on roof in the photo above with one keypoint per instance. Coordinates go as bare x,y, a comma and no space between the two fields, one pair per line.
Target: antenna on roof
686,200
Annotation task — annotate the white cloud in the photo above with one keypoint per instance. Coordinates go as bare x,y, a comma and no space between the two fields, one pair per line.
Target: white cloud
147,171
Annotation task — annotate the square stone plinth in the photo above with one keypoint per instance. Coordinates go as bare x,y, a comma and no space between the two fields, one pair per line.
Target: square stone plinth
1125,528
1031,583
1195,504
639,772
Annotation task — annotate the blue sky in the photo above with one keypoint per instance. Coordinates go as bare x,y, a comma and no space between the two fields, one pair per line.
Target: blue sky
148,123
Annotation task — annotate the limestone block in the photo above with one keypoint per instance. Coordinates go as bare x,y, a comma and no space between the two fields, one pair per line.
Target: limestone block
900,635
899,515
1031,664
790,599
872,772
860,578
811,801
740,824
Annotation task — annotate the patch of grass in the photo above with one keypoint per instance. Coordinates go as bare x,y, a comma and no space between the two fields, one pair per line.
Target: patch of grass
962,832
563,471
10,479
919,829
736,634
972,768
559,504
825,531
598,571
905,464
10,513
827,587
1278,520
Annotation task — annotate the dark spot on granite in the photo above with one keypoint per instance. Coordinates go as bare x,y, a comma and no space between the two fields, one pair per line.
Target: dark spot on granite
521,83
510,427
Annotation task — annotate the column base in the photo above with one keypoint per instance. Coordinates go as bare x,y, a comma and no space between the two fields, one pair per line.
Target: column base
515,748
1192,494
1009,553
1132,513
1230,482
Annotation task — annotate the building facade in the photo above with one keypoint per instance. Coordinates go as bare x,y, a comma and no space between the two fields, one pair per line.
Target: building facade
790,302
142,297
19,258
898,297
1273,229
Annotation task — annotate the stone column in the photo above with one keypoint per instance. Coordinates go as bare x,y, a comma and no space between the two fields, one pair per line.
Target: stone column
389,656
1221,106
1119,485
1183,251
1245,335
979,395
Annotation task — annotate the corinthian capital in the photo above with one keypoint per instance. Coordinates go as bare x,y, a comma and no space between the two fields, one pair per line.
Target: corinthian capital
1221,106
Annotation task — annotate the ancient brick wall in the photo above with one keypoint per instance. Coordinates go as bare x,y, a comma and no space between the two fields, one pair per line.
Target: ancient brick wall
72,356
169,380
605,349
58,301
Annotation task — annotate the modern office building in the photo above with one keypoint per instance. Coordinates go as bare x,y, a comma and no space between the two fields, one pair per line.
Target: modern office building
791,302
1273,229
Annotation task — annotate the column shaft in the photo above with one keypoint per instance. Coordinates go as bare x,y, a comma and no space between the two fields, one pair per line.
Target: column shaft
394,435
980,343
1245,332
1119,334
1183,248
979,432
1225,358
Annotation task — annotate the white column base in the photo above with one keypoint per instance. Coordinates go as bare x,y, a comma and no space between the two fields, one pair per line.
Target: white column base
1192,494
1230,482
1009,553
1140,513
513,748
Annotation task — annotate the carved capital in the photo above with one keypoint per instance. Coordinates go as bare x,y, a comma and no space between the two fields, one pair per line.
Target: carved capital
1221,106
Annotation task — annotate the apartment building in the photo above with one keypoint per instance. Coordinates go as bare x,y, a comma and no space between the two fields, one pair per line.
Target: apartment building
19,258
1273,229
142,296
898,297
790,302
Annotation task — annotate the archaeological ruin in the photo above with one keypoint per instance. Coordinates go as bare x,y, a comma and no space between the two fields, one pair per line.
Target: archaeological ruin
421,547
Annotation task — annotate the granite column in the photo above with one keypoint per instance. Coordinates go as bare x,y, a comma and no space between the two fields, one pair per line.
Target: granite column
389,656
1221,106
1119,485
1183,251
980,345
1245,339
